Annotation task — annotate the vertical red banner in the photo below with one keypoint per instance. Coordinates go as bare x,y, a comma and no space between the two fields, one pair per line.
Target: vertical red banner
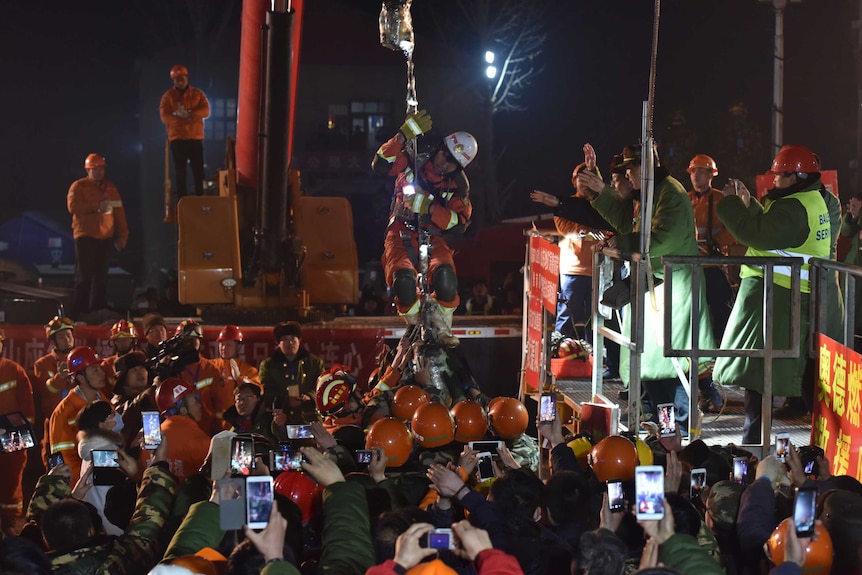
836,426
544,281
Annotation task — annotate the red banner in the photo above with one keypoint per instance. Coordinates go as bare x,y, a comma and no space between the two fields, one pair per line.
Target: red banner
355,347
544,272
534,360
837,407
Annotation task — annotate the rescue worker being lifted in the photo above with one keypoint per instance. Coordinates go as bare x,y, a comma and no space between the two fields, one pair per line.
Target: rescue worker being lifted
433,194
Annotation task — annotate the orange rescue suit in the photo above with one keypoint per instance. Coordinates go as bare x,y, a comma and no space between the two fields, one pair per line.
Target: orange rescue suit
89,218
198,107
16,394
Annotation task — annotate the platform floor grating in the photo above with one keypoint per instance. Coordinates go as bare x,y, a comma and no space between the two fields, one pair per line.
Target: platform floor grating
716,429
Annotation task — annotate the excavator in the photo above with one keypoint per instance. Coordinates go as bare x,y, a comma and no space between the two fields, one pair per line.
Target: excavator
262,247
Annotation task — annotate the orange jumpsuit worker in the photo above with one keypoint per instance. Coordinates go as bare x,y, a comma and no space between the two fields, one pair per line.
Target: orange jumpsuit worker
203,375
86,371
434,195
124,339
16,394
52,382
234,371
183,110
98,224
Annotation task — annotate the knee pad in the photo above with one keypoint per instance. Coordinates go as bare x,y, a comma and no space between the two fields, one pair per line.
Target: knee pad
445,283
404,287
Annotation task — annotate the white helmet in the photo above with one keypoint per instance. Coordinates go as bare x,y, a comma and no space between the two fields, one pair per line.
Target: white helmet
462,146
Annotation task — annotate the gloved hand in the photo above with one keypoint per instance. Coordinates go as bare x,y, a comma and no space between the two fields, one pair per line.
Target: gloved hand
181,112
416,199
416,124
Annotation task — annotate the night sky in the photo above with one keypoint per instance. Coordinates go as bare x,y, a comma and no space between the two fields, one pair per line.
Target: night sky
70,85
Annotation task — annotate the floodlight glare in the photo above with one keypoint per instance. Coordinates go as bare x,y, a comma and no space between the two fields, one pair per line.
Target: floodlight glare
489,57
491,72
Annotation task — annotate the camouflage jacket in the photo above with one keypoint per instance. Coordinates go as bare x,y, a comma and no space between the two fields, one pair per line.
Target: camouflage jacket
134,552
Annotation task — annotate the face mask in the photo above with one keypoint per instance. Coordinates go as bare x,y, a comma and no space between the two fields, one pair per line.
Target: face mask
118,422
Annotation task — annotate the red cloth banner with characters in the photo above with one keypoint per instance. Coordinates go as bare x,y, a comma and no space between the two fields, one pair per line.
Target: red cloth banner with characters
836,427
544,281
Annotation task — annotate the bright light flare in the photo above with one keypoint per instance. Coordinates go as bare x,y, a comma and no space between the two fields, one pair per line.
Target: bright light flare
489,57
491,72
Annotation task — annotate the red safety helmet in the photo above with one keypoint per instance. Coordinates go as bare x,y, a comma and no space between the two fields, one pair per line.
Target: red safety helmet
471,423
702,161
818,552
302,490
170,391
179,70
230,332
58,323
614,457
334,388
82,357
572,349
124,329
507,417
407,399
94,161
793,158
190,328
433,425
393,437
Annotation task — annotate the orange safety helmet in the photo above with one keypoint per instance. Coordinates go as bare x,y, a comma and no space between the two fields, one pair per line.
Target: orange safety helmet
393,437
302,490
94,161
57,324
230,332
190,328
374,378
578,169
170,391
179,70
793,158
507,417
334,388
195,564
82,357
818,553
433,425
407,399
702,161
614,457
123,329
471,422
2,334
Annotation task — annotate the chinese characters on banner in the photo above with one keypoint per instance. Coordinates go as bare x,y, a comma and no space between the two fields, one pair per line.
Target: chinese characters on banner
836,419
544,279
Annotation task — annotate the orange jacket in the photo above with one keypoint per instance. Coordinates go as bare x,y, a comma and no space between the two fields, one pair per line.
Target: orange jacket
723,239
576,247
63,430
205,377
16,393
49,385
90,218
198,107
230,378
187,445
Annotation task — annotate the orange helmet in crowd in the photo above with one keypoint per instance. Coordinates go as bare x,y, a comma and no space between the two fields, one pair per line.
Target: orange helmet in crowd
507,417
818,552
302,490
614,457
179,70
471,423
123,329
702,161
433,425
195,564
94,161
407,399
393,437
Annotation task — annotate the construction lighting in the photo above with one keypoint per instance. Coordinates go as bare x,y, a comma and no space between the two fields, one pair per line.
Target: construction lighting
489,57
491,72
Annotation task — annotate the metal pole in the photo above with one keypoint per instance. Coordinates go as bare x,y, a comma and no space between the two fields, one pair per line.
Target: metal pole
778,78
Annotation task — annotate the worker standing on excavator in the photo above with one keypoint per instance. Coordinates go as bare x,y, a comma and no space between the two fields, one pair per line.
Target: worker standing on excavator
431,195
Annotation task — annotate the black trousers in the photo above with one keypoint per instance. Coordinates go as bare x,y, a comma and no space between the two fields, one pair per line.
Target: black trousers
92,257
188,152
719,299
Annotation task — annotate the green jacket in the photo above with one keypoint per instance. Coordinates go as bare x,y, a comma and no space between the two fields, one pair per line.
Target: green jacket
683,553
785,225
137,550
282,378
347,548
672,233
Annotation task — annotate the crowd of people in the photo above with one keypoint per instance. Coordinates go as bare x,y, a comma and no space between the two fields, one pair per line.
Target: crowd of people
387,481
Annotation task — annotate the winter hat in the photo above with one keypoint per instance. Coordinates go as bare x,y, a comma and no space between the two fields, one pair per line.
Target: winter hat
151,320
722,502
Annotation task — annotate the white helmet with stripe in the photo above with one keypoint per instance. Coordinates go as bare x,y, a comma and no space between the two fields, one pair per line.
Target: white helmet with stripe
462,146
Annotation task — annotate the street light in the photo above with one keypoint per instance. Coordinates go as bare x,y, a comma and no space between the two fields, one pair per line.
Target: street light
490,71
